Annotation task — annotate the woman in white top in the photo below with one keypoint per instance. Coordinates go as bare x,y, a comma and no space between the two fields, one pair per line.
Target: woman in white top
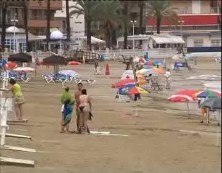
167,76
85,106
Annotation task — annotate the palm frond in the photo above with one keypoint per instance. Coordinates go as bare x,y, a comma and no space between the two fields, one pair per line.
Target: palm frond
76,12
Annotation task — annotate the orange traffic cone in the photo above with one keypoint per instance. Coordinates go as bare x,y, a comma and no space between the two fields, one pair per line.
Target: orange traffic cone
107,73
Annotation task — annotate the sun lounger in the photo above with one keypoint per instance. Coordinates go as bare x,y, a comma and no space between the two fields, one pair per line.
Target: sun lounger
16,162
88,81
27,79
155,86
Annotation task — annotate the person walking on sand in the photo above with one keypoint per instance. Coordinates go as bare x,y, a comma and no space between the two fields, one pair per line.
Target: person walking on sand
167,77
96,67
85,107
18,98
77,95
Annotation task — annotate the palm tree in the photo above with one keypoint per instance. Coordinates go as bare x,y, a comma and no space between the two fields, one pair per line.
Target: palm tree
86,8
48,24
26,25
68,32
125,23
110,19
141,5
3,24
160,9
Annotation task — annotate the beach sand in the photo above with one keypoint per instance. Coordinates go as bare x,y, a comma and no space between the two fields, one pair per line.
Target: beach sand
158,140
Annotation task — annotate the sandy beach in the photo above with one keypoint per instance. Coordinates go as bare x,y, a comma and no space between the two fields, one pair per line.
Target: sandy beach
161,139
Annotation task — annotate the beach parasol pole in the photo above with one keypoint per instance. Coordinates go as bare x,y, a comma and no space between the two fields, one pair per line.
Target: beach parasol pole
218,128
188,109
136,112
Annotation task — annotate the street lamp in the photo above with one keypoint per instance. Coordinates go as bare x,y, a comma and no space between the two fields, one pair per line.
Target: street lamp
133,22
14,20
78,32
181,22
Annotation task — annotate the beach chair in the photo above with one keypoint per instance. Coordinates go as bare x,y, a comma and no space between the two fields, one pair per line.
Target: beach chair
155,86
25,79
88,81
48,78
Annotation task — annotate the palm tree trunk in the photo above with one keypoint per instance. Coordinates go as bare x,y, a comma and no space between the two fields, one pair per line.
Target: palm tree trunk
114,39
158,22
48,24
88,32
67,21
26,26
125,34
3,34
107,36
141,19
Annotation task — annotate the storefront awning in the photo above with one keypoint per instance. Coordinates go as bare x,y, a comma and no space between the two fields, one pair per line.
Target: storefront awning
168,40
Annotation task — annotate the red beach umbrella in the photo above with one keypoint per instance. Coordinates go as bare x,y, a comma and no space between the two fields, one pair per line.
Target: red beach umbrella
123,83
181,98
189,93
74,63
10,65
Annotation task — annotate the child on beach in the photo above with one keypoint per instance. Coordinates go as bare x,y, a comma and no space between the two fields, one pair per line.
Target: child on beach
66,115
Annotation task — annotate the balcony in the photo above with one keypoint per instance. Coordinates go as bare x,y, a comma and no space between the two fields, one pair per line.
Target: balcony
43,23
54,5
212,10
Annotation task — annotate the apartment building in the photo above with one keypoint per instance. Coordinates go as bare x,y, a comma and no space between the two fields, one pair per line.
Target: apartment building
77,23
199,22
37,14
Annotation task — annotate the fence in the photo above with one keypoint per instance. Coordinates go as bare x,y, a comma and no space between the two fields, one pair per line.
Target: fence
89,56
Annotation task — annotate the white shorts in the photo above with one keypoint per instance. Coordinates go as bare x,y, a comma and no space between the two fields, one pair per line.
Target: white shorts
62,108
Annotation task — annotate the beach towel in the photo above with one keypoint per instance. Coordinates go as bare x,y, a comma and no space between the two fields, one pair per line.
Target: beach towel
67,113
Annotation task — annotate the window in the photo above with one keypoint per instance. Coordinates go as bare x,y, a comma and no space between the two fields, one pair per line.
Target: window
215,42
198,43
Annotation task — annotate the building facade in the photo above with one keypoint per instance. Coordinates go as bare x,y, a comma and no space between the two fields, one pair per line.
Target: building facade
77,23
199,22
37,16
37,20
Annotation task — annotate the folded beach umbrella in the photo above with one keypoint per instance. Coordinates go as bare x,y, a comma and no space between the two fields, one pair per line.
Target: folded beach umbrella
123,83
181,98
207,94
